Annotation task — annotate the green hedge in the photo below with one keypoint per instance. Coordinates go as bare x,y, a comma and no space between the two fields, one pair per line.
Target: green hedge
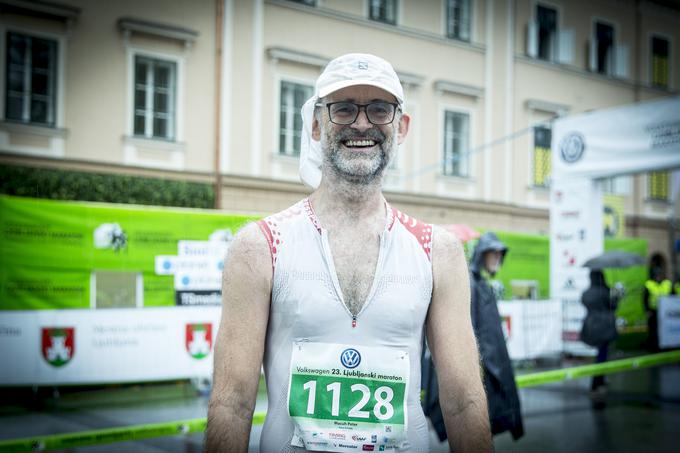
109,188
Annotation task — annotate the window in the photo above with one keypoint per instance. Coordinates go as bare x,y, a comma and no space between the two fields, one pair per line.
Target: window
31,75
604,48
383,11
542,156
658,185
660,66
456,143
546,19
458,19
293,96
618,185
155,92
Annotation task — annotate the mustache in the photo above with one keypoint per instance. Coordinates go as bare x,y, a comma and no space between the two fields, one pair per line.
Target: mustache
369,134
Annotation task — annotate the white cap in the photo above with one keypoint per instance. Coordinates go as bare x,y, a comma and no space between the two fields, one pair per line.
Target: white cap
345,71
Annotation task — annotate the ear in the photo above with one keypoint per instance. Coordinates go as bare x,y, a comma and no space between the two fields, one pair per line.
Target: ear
316,129
402,128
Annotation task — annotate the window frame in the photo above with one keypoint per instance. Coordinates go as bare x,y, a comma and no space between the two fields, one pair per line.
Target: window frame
178,60
650,69
445,21
547,178
650,194
278,98
59,84
553,58
442,141
397,13
615,42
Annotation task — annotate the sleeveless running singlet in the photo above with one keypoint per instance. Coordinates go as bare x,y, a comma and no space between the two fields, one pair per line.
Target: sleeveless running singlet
336,382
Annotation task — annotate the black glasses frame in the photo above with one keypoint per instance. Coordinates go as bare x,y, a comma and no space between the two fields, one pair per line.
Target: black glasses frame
359,107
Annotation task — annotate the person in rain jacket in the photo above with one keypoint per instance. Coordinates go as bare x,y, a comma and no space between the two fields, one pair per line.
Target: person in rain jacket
499,378
599,327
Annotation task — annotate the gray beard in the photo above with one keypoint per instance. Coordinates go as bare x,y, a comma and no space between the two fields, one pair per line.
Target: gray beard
354,167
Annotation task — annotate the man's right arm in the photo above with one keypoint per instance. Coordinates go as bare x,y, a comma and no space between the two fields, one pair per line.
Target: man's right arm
239,348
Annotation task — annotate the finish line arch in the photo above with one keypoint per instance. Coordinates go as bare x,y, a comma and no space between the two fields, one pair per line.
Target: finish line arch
585,149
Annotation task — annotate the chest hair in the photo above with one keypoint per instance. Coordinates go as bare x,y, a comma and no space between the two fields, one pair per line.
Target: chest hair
355,256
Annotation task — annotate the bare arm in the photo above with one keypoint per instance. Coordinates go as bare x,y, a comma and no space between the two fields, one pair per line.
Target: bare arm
454,349
246,291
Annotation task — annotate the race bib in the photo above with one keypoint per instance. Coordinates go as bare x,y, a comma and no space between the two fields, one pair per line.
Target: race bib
347,398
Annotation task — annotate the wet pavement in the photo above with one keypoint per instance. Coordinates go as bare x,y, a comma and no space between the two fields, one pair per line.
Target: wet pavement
642,414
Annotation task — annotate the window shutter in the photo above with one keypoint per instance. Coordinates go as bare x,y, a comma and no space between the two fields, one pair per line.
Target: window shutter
565,46
621,63
532,39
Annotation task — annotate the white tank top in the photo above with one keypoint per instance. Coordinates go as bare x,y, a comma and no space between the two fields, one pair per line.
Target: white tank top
307,305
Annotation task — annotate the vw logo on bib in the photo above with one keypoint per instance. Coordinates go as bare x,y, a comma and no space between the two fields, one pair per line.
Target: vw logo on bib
350,358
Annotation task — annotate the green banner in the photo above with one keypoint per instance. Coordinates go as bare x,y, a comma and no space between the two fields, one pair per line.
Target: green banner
50,249
529,259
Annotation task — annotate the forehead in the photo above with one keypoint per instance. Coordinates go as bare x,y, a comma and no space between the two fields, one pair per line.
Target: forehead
361,93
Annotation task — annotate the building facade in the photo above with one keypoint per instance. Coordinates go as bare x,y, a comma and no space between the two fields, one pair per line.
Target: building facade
211,90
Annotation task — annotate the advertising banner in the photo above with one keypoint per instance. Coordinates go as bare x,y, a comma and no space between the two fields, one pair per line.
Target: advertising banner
52,347
576,235
76,255
622,140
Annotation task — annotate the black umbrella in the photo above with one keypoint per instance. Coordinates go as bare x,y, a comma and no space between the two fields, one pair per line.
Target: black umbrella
615,258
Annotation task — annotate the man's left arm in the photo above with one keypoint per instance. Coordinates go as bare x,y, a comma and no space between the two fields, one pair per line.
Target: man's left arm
452,342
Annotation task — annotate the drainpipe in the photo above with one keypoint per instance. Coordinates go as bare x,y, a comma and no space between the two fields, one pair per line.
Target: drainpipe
219,14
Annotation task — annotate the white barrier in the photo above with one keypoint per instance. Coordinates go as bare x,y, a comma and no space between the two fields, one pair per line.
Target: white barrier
50,347
532,328
669,322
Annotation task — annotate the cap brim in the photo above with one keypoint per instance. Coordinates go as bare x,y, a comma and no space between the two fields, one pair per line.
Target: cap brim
333,87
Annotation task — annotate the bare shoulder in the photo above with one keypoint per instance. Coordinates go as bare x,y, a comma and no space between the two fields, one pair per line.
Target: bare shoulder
250,251
447,250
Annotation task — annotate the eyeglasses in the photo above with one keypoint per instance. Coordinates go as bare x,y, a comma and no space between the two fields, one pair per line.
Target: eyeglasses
344,112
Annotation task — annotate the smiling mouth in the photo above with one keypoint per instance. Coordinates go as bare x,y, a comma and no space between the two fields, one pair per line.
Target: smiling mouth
359,143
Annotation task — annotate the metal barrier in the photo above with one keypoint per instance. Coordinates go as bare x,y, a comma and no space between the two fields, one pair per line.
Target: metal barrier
182,427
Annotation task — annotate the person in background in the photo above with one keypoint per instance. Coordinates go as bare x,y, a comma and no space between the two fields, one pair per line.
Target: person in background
599,328
499,378
656,287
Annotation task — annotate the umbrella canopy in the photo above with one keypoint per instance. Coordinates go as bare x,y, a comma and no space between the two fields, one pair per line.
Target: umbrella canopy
615,258
462,232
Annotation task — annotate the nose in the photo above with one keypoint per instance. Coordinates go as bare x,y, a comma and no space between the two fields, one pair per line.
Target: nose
362,123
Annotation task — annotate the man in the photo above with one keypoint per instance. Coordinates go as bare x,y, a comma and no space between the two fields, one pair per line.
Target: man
332,296
655,288
499,379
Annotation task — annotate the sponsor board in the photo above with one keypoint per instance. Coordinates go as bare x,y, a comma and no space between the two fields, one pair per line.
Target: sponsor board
53,347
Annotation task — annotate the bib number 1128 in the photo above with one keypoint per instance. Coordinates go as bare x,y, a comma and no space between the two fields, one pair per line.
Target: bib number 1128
382,410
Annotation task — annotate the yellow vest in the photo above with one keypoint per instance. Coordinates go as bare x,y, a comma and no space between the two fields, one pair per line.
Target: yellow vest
657,290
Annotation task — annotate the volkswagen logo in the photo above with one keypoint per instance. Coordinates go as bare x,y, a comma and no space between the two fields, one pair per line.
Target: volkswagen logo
350,358
572,147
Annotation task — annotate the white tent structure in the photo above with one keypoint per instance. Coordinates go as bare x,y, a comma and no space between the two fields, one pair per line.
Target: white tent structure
585,148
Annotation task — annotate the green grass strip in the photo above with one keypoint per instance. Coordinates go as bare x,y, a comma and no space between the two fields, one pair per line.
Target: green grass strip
196,425
614,366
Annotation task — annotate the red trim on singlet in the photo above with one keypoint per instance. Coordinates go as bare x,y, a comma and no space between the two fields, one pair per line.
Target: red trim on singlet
420,230
268,234
311,214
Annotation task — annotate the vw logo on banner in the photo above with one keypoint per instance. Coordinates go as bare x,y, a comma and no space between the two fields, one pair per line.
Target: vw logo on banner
350,358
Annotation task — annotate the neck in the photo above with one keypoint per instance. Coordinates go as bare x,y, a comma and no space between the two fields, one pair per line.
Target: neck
339,199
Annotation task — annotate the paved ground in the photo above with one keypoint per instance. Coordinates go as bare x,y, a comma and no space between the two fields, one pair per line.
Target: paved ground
642,414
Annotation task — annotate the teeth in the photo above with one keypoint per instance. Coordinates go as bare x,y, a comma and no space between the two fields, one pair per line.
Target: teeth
360,143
